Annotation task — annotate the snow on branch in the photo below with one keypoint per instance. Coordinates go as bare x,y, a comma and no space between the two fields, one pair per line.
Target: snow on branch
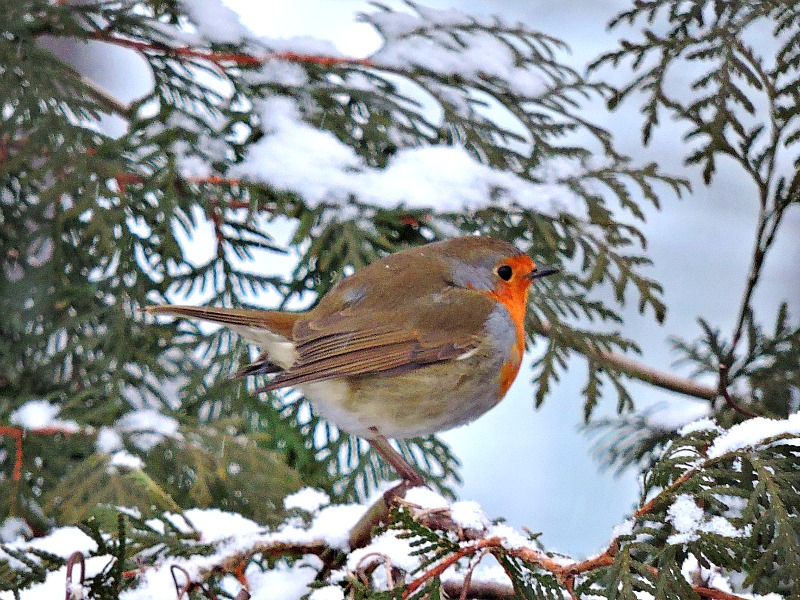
423,542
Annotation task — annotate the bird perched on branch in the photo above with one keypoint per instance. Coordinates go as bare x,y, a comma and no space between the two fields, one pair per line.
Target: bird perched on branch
420,341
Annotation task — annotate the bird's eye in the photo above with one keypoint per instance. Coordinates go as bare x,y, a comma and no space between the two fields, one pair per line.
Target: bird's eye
505,272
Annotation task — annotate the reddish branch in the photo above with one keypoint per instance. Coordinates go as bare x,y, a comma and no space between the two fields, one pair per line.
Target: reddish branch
472,546
222,59
436,571
723,390
124,179
648,506
18,433
714,594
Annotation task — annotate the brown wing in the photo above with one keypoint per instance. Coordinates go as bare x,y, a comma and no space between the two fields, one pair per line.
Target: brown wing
355,341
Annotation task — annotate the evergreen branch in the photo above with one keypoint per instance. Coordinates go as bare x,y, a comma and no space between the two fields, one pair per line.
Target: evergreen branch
723,390
18,433
105,99
223,59
764,239
453,558
714,594
638,370
564,573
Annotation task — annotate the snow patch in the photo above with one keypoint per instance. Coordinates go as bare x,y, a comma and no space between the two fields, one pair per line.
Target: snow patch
39,414
216,22
468,514
149,426
704,424
296,157
689,521
329,592
752,432
14,529
425,41
215,525
425,498
108,440
126,460
307,499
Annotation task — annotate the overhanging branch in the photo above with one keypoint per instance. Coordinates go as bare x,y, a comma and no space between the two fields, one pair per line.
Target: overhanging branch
639,370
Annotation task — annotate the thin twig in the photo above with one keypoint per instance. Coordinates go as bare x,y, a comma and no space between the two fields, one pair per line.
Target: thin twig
641,371
226,59
494,542
105,99
714,594
723,390
18,434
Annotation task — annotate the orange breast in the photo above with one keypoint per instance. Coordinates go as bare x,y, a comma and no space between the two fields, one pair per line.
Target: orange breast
509,370
514,296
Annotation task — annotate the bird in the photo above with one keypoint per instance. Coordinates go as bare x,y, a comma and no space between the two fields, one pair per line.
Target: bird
417,342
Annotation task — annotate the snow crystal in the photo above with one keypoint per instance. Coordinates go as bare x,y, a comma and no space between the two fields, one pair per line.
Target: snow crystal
307,499
282,581
215,525
61,542
704,424
333,524
108,440
752,432
329,592
53,585
512,539
14,528
38,414
126,460
294,156
425,498
215,21
150,426
421,41
468,514
689,520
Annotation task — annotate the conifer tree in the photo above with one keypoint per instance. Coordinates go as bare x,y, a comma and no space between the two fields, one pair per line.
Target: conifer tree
246,150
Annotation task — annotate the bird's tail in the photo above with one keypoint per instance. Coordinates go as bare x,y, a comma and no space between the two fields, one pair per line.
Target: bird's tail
280,323
270,330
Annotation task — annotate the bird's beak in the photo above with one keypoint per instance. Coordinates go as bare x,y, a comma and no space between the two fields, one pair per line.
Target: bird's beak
542,271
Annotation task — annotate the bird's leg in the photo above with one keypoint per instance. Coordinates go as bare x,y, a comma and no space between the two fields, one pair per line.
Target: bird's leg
410,477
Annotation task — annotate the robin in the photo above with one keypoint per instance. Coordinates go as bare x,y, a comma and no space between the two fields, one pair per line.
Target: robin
423,340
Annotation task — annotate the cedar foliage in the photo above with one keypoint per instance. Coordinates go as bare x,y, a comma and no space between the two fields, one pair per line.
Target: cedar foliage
94,226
